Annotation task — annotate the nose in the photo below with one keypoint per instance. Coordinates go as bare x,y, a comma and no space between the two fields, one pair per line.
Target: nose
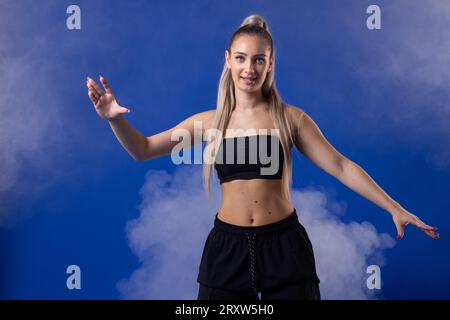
249,67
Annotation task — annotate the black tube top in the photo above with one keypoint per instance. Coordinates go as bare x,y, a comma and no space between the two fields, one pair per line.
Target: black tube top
252,158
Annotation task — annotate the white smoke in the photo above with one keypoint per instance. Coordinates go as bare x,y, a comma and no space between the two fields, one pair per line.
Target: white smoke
39,88
30,126
407,61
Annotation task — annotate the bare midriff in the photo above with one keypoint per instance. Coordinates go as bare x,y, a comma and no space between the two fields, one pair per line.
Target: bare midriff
253,202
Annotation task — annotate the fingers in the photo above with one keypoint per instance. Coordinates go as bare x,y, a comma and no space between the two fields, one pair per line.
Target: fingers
124,110
430,231
400,229
432,234
419,223
92,85
95,94
93,97
94,91
106,85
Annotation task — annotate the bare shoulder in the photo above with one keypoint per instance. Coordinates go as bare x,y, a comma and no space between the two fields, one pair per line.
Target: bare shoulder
207,114
294,116
206,117
294,110
161,143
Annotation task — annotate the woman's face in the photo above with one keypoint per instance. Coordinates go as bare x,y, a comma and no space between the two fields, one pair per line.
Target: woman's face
249,59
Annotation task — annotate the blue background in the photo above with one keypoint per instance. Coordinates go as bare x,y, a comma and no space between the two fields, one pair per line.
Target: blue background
163,60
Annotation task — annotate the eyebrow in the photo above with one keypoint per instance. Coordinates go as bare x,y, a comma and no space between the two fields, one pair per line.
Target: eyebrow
256,55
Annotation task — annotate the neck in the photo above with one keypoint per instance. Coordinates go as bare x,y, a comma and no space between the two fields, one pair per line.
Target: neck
248,101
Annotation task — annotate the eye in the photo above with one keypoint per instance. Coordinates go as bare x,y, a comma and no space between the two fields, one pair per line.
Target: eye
239,57
261,60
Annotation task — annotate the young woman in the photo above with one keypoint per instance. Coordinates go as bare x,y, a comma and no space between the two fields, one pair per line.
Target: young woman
257,244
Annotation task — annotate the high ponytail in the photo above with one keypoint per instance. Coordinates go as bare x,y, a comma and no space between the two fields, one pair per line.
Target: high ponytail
255,20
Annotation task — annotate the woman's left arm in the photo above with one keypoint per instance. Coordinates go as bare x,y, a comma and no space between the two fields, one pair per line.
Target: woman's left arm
311,142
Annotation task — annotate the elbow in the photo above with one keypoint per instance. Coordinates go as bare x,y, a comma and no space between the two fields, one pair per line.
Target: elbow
344,163
138,158
143,157
143,154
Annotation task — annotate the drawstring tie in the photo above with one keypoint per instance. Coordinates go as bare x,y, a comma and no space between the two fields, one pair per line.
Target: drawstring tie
252,260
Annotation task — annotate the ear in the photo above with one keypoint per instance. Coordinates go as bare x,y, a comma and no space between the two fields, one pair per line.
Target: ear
227,58
270,65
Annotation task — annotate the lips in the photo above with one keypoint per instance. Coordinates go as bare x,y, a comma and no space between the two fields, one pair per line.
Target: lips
249,80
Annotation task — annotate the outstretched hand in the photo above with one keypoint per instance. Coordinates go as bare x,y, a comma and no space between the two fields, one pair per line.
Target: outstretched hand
402,218
105,102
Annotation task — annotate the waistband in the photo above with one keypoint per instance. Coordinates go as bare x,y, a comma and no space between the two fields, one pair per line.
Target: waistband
290,220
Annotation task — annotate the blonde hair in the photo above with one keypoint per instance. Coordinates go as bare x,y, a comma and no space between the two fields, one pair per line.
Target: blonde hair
251,25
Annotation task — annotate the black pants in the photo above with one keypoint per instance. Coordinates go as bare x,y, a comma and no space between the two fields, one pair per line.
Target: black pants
275,260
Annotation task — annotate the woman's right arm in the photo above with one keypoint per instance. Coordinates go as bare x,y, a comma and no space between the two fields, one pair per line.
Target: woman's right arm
139,147
132,140
161,144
